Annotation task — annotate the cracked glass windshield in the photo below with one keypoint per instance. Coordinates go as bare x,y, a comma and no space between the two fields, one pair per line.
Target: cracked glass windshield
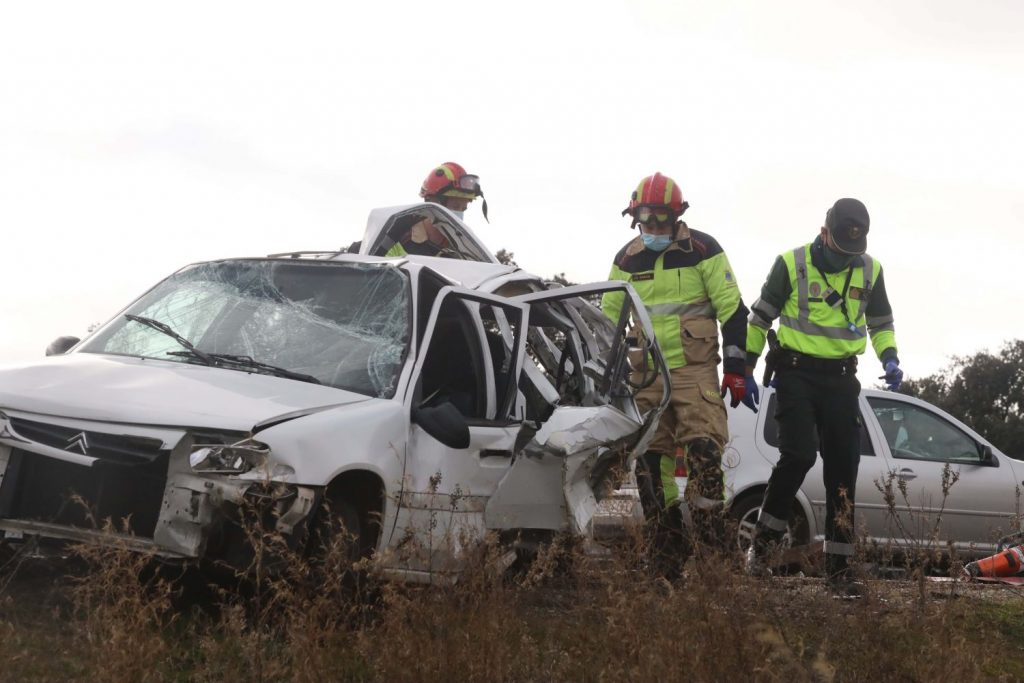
345,324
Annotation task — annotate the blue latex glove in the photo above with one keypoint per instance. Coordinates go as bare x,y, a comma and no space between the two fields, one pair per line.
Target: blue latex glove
893,375
752,399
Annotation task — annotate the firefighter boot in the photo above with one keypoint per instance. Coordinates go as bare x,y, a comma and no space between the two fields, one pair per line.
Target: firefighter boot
670,547
709,527
649,485
704,495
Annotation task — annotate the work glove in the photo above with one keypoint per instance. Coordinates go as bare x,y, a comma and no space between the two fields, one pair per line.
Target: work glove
893,375
736,385
752,399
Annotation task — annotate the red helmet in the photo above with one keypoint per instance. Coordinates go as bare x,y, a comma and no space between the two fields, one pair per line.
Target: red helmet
451,180
657,198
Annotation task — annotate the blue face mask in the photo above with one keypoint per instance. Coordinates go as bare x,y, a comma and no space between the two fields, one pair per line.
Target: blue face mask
656,242
460,214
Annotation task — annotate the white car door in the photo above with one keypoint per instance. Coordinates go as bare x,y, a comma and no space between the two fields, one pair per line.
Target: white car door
925,445
580,410
469,359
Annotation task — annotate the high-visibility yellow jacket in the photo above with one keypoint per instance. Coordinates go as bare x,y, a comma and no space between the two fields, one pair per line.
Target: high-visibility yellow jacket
685,289
823,314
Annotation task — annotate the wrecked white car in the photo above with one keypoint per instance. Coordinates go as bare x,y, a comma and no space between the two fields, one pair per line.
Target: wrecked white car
423,401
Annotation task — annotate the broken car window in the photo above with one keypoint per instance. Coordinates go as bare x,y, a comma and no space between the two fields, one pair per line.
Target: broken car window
346,324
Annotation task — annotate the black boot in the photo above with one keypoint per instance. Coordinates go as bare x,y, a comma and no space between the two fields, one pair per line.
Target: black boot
670,546
648,483
763,552
709,526
840,579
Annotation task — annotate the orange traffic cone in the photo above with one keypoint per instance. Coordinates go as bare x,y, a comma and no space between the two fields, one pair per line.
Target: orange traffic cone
1007,563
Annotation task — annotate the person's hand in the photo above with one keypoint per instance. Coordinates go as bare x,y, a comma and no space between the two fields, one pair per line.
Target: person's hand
736,385
752,399
893,375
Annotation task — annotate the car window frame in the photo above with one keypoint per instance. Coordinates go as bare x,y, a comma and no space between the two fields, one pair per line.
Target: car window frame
942,418
500,410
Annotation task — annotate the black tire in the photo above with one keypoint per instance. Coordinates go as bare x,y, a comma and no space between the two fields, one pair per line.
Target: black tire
337,521
744,513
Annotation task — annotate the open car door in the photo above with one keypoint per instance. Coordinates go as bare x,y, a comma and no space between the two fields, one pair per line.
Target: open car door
582,429
465,421
447,236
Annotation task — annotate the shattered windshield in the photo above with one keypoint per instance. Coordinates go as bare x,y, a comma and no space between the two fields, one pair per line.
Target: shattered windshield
345,324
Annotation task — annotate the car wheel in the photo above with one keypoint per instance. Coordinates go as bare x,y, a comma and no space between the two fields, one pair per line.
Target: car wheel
744,512
337,533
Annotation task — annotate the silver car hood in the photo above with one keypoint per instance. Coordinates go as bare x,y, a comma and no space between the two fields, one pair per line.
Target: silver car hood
132,390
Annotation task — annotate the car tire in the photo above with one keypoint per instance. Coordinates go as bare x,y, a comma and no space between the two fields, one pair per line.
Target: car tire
744,514
337,521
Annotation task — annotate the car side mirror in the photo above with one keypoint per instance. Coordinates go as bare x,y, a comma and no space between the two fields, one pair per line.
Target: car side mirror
443,422
60,345
987,456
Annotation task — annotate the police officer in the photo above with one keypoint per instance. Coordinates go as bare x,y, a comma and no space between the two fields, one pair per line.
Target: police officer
828,295
450,186
687,286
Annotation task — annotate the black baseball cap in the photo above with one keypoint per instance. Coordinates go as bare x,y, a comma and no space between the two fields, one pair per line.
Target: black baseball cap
847,222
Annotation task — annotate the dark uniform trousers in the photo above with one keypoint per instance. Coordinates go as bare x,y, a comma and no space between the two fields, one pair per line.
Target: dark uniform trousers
826,404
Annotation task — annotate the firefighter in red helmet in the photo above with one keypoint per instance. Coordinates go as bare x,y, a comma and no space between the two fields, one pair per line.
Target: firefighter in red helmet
450,186
688,288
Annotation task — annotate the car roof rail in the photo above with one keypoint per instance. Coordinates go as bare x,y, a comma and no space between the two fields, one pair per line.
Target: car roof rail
300,254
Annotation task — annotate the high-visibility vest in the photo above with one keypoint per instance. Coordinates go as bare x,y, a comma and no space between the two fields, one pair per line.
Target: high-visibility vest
809,324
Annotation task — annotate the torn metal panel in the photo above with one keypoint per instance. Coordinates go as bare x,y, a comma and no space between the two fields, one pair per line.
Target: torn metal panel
298,511
549,485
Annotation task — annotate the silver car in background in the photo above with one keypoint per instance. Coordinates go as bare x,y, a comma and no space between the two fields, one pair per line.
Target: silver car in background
905,443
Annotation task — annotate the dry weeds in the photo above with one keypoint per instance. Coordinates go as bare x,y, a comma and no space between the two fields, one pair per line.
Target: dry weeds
567,616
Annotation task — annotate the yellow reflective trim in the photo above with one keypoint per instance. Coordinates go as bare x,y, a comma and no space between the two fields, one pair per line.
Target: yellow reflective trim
669,186
669,487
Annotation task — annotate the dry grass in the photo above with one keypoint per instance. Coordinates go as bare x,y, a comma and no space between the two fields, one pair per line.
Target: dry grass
568,616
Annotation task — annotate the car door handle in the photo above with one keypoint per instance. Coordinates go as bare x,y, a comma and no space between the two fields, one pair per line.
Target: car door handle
906,474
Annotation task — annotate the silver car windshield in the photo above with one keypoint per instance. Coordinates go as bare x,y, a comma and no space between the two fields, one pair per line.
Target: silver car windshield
345,324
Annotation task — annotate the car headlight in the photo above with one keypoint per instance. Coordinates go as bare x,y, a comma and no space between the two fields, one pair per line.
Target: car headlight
236,458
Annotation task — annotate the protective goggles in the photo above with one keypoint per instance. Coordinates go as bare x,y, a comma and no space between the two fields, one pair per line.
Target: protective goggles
468,183
466,187
654,215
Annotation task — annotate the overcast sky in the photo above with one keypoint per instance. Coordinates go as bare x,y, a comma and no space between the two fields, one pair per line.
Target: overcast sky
137,137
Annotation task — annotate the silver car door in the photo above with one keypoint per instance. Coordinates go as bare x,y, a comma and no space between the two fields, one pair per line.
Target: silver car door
929,448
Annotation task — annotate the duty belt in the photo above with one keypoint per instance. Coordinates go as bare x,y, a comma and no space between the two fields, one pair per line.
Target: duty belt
793,360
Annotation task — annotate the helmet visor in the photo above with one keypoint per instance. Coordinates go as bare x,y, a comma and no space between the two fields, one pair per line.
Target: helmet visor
654,215
468,183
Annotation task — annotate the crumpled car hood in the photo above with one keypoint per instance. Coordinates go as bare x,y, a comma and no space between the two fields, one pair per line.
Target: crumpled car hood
154,392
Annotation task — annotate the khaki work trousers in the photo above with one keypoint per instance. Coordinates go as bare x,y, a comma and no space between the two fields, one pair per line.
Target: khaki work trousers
695,411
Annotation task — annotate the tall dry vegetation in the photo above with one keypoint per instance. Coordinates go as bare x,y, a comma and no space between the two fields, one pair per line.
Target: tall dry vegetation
568,615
